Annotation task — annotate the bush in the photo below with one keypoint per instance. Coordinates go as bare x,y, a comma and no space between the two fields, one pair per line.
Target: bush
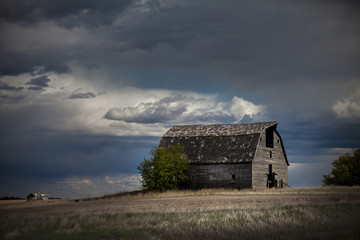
165,170
345,172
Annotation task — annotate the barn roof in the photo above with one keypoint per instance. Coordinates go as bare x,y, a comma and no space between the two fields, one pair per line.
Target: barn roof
206,144
217,130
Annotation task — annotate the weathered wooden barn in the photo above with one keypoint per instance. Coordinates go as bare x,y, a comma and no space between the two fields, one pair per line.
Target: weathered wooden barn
232,155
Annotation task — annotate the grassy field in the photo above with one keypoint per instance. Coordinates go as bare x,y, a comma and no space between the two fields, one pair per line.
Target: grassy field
307,213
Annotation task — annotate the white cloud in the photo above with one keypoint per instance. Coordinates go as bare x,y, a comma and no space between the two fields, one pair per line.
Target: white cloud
348,107
241,107
185,110
85,181
339,151
163,110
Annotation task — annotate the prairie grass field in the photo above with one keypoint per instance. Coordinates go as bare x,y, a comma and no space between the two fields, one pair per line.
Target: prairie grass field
305,213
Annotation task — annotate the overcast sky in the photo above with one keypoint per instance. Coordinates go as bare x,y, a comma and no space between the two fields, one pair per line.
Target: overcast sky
88,87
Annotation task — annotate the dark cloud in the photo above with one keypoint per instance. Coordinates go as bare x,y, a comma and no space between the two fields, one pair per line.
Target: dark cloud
233,41
38,83
86,14
306,140
62,156
9,87
36,88
76,94
255,41
69,14
42,81
54,58
15,63
16,98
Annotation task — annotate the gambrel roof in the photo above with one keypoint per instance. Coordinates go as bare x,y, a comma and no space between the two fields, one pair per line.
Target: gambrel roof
218,130
227,143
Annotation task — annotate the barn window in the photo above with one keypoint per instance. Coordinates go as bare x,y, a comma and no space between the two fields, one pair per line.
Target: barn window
270,138
270,153
232,176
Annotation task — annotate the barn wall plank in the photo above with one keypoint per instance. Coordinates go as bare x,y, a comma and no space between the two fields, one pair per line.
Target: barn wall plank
220,175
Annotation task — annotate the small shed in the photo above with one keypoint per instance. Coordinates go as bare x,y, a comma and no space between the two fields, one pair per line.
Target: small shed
37,196
232,155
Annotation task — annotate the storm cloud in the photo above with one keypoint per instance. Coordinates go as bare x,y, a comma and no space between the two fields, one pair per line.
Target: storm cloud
87,13
42,81
10,88
38,83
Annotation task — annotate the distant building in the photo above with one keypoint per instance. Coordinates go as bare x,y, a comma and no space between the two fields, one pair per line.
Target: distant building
37,196
232,155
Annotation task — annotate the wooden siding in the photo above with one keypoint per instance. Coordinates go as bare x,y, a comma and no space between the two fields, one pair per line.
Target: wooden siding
262,159
220,175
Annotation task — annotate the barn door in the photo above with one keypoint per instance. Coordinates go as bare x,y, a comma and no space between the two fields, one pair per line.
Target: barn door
271,182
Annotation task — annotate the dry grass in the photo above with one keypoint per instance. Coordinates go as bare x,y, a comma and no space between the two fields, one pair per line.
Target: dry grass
242,192
308,213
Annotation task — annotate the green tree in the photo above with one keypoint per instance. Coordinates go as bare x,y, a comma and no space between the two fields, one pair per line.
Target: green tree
345,172
165,170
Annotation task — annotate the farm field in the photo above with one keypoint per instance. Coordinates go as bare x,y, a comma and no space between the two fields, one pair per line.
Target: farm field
306,213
